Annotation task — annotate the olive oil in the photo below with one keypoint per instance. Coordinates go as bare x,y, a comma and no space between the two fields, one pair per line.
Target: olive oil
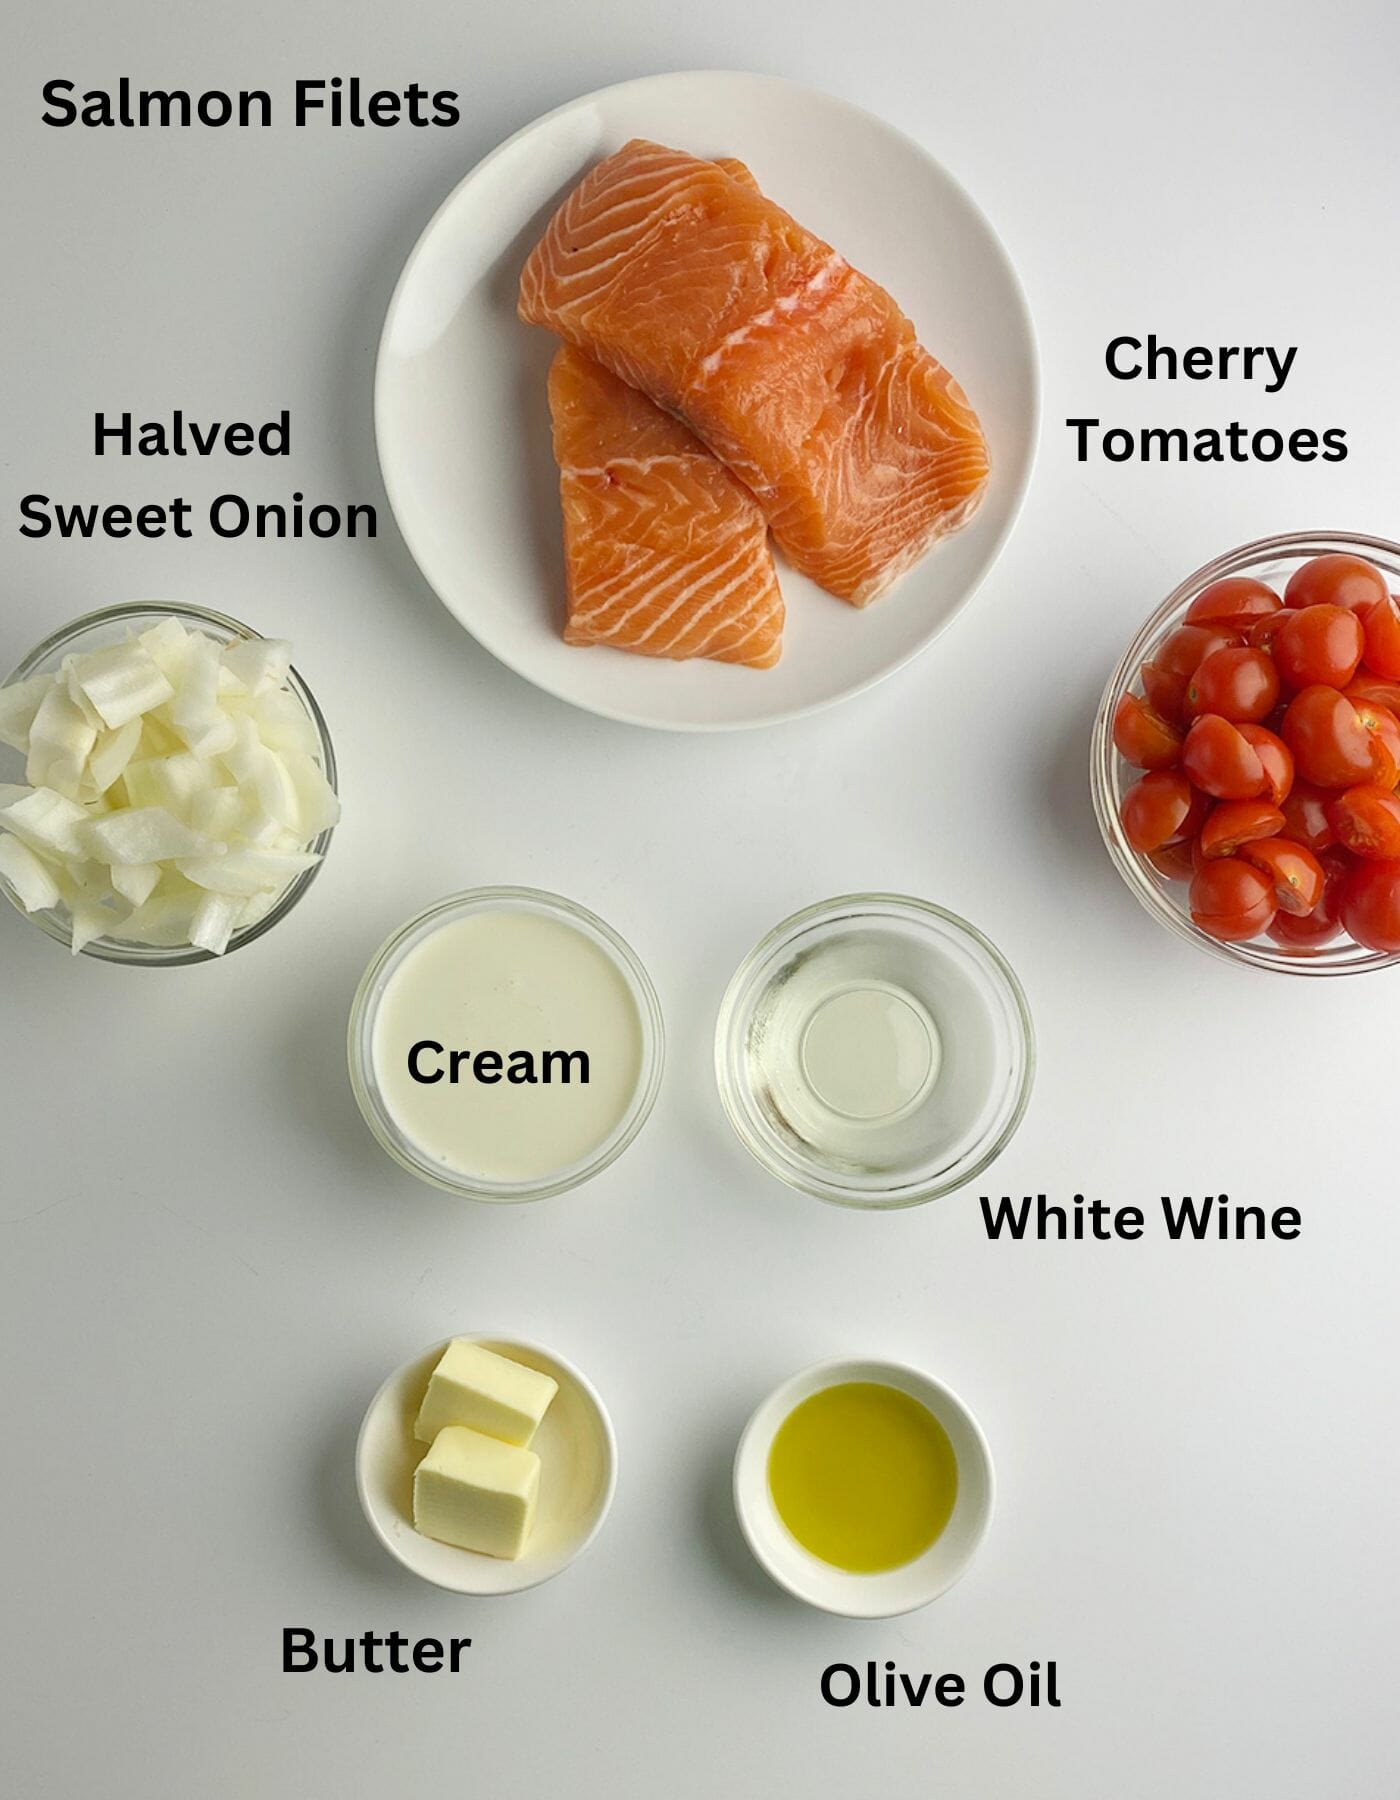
863,1476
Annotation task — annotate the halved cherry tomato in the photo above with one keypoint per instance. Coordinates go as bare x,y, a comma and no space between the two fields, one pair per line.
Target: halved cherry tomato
1296,874
1383,728
1276,757
1299,931
1370,905
1221,761
1175,661
1165,692
1305,817
1330,744
1231,900
1175,861
1319,644
1236,822
1234,602
1157,809
1373,689
1142,736
1336,580
1184,650
1381,629
1238,683
1262,632
1366,820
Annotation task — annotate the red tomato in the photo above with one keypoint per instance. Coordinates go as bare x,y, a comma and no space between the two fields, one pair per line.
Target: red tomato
1262,632
1383,728
1366,820
1221,761
1142,736
1165,692
1305,817
1306,931
1175,861
1234,603
1231,900
1276,758
1336,580
1238,683
1156,810
1381,629
1370,905
1182,651
1330,744
1296,874
1319,643
1374,690
1236,822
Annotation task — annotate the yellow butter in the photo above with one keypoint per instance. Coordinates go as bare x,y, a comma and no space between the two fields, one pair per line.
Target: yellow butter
476,1492
490,1393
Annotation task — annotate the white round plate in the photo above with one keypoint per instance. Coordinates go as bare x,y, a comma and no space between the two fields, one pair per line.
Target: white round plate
819,1583
578,1473
463,423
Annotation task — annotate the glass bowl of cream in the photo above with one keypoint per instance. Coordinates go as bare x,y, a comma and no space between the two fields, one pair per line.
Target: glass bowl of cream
875,1051
505,1045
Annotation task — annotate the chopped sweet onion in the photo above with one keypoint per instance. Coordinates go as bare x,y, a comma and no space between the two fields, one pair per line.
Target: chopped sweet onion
174,789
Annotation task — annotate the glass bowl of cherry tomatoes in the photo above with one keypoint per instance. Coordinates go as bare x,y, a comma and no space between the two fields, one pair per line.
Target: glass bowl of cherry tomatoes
1246,756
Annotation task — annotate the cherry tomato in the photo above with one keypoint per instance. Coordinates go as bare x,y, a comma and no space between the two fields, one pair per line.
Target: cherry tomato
1231,900
1372,689
1336,580
1381,629
1319,643
1305,817
1262,632
1157,809
1175,661
1239,684
1276,758
1306,931
1221,761
1175,861
1330,744
1370,905
1296,874
1142,736
1383,728
1366,820
1165,692
1236,822
1235,603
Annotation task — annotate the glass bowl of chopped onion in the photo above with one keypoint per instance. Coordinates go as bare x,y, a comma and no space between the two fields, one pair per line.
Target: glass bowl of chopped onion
167,785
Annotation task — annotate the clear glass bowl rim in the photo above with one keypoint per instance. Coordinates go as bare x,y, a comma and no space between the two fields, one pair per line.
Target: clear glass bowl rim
150,956
729,1055
360,1046
1103,759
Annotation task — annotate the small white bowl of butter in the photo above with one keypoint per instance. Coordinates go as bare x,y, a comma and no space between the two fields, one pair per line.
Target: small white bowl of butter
577,1453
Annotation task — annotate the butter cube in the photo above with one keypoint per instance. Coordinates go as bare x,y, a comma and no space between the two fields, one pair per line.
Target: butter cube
476,1492
492,1394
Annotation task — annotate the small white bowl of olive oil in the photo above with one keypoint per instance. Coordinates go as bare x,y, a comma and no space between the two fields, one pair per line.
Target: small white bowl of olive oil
864,1487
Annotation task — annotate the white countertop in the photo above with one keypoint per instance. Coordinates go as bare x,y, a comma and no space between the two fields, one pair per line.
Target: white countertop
206,1265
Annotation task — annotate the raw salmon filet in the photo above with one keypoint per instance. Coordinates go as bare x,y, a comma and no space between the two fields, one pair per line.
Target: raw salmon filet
666,553
798,371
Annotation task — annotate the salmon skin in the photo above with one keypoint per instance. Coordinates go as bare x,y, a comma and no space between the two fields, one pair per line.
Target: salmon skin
666,553
796,370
